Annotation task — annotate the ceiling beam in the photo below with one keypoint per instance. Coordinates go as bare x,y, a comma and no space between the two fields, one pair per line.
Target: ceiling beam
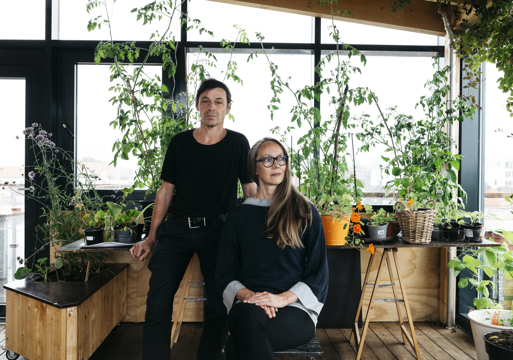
420,16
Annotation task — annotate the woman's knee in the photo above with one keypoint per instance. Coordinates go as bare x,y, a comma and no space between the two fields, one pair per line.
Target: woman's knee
247,317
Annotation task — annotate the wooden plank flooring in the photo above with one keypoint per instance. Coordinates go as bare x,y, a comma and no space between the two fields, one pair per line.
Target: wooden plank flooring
383,343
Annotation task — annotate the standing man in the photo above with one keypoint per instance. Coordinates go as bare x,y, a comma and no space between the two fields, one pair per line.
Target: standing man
199,174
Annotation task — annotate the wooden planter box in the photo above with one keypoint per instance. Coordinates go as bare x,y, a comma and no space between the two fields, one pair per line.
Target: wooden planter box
64,321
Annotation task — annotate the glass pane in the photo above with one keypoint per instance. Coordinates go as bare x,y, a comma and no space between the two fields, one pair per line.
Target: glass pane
73,20
22,20
351,33
95,136
275,26
401,85
12,169
498,164
250,100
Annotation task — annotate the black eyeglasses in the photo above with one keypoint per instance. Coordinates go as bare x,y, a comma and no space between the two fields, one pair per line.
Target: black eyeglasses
268,161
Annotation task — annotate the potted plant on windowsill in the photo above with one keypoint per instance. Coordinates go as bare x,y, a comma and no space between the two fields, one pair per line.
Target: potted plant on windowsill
451,220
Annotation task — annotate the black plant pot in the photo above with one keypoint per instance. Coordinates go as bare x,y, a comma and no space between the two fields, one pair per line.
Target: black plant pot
496,352
451,232
124,236
435,235
93,236
472,233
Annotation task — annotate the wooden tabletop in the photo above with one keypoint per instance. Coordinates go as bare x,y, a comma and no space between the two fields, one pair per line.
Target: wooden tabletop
396,243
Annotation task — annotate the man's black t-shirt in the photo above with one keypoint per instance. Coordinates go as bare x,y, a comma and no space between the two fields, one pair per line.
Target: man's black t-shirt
205,176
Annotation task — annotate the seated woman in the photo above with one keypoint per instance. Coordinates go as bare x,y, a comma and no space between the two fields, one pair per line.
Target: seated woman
272,268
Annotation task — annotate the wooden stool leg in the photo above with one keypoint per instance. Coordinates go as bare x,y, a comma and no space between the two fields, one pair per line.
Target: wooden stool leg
413,338
359,344
177,322
391,274
364,288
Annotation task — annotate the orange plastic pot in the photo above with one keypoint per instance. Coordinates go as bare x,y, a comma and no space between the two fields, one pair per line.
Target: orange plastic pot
335,229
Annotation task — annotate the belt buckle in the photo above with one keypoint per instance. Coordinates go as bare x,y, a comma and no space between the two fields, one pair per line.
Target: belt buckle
195,227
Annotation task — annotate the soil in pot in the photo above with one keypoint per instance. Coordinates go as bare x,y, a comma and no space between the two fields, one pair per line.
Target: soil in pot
472,232
93,236
499,345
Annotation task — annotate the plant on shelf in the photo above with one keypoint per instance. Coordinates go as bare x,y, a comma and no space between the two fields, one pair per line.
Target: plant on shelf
381,217
64,196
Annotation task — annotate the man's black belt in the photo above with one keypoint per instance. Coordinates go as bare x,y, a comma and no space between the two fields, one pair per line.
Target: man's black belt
196,222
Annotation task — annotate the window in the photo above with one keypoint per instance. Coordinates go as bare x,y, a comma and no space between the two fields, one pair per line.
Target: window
22,20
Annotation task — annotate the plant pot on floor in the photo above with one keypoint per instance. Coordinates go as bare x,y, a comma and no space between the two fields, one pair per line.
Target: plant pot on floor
93,236
335,229
377,232
499,345
472,232
481,323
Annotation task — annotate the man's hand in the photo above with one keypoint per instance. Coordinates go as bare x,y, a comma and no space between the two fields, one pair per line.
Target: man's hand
272,300
142,249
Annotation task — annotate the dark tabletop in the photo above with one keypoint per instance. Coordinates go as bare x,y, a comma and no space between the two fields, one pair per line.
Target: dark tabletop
396,243
76,247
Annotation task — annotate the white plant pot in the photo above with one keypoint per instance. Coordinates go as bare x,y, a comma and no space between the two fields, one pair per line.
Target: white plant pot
481,323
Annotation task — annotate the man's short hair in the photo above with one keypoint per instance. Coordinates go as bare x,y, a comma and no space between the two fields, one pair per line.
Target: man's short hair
209,84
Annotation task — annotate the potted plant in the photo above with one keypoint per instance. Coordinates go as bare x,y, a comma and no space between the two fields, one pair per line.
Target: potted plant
493,261
499,344
472,228
378,224
452,220
94,227
125,222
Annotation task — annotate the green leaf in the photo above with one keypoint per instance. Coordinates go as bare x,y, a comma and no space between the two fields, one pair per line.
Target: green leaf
451,175
58,264
463,283
22,273
396,171
456,164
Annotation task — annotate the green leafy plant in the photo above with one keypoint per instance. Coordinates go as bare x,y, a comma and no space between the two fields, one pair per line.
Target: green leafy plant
95,220
381,217
421,159
319,161
497,261
474,217
64,190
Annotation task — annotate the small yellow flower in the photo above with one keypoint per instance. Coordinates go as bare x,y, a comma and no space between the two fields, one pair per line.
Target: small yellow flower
79,205
410,202
359,206
371,249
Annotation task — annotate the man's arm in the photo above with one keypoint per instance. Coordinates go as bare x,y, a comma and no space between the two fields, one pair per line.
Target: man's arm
164,196
249,190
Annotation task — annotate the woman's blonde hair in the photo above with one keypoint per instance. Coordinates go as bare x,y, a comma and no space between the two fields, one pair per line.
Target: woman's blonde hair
290,211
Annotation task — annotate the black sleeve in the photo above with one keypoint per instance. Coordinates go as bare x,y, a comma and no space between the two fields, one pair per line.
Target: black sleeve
244,175
168,172
316,270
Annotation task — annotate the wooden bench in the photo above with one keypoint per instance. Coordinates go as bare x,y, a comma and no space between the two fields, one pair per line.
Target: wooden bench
310,350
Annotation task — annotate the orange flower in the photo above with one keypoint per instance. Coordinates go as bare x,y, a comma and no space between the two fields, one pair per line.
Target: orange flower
410,202
371,249
79,205
359,206
355,218
357,228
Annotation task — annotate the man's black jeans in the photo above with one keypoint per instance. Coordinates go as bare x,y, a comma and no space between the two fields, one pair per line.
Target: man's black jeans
176,244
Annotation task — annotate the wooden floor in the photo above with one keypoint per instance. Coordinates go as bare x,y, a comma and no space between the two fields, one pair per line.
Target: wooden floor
382,343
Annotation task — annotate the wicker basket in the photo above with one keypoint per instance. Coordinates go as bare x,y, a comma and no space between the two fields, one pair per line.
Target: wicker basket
416,226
